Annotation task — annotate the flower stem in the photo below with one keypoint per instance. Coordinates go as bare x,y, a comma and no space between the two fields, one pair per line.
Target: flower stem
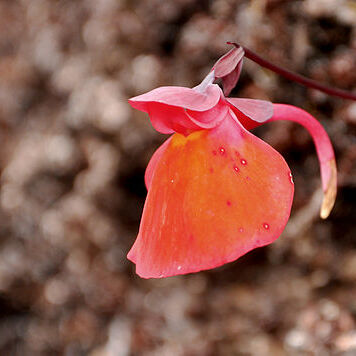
294,76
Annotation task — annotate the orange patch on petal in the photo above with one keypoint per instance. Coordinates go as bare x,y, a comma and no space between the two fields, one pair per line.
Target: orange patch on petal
211,200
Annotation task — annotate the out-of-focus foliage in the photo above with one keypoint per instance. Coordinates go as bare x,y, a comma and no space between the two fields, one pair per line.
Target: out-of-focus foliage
72,160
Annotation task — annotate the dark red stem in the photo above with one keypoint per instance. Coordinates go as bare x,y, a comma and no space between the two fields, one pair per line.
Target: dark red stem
294,76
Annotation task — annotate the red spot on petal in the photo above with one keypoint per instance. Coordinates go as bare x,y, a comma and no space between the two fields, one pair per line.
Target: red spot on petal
243,162
211,170
241,229
266,226
215,153
228,203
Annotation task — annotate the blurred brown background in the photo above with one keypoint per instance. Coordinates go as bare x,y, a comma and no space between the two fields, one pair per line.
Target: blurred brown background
72,160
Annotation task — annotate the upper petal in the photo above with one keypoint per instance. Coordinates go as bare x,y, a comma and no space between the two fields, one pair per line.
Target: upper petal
180,97
256,110
168,119
229,81
228,62
183,110
210,118
228,67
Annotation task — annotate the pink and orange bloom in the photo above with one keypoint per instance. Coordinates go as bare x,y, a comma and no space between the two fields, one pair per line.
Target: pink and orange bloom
216,191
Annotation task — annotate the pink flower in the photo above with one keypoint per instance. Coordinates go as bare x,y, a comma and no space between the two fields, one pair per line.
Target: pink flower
216,191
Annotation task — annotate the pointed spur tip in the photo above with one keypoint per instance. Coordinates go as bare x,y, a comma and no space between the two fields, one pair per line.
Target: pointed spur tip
330,193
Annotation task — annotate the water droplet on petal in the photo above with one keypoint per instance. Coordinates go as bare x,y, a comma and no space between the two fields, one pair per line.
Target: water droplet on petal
241,229
222,150
244,162
266,226
290,177
179,268
172,180
236,169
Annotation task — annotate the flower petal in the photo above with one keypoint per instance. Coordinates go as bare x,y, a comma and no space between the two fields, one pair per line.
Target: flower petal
228,62
168,119
210,118
228,67
229,81
183,110
179,96
324,150
152,164
256,110
215,195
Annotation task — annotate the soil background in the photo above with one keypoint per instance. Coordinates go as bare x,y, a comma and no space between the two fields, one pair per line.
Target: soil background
72,160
